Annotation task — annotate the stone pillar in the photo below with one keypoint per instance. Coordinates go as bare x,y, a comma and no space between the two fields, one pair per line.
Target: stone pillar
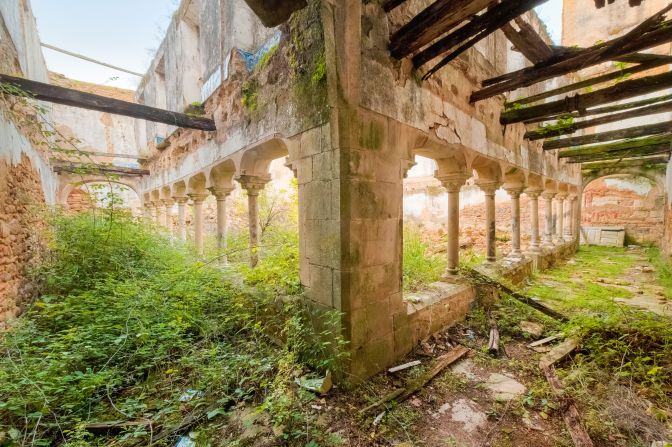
453,184
221,194
168,216
515,222
253,185
535,243
568,219
157,212
181,229
548,215
489,188
559,219
197,209
147,212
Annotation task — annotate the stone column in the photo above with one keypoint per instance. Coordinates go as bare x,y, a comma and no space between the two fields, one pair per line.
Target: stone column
489,188
453,184
157,212
548,214
253,185
559,219
147,212
568,219
515,222
221,194
181,217
197,208
535,243
168,216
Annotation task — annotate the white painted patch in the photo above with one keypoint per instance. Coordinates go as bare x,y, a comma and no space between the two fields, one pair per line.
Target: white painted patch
641,187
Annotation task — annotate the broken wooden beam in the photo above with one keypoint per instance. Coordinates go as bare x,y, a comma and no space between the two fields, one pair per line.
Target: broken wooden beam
435,20
578,102
616,146
649,33
474,31
543,341
570,413
389,5
601,110
555,131
493,342
90,101
535,304
612,135
619,74
402,394
559,352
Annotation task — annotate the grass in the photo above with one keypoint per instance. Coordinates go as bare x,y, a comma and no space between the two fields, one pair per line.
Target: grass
420,266
663,269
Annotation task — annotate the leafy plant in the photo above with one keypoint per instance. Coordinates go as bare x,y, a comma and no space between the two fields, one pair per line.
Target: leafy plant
420,266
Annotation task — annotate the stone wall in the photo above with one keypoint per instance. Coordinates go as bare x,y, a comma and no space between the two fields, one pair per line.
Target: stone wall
20,243
635,203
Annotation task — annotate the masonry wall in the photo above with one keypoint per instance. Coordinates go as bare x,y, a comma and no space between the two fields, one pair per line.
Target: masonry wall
635,203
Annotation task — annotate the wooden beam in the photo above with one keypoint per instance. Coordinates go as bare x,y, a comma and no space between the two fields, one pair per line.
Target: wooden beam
601,110
634,58
649,33
614,75
477,29
76,98
617,146
626,163
435,20
624,153
389,5
555,132
527,41
578,102
620,134
79,152
79,168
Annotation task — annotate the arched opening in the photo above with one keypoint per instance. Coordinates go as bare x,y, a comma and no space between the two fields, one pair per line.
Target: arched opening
622,209
102,194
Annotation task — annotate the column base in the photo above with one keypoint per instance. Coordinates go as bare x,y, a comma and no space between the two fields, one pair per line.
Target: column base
451,276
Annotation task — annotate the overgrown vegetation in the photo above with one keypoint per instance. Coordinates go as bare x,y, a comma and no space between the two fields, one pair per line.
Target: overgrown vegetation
132,329
420,266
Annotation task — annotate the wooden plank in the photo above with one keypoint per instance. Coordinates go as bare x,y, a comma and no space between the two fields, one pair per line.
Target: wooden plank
75,98
617,146
587,83
625,163
435,20
601,110
578,102
474,31
79,152
643,151
612,135
389,5
77,168
612,118
543,341
527,41
570,413
558,353
649,33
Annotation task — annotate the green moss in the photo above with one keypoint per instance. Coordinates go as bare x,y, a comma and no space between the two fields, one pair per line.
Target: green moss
265,58
250,93
320,71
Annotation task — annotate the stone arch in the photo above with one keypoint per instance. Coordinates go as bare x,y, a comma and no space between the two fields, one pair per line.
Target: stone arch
221,175
178,189
486,169
656,175
196,184
256,160
67,183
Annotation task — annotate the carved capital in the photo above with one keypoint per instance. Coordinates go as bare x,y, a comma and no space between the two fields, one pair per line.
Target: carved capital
515,192
452,182
253,184
198,198
533,193
220,193
488,187
181,200
548,195
168,202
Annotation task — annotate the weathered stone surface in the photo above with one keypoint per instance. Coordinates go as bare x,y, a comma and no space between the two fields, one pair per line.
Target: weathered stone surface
504,387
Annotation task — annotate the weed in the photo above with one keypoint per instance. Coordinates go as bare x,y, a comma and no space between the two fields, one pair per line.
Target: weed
420,267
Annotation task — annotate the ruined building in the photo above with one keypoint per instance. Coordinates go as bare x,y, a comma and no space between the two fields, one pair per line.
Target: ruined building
332,91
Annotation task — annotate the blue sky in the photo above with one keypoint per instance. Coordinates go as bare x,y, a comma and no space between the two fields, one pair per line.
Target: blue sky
119,32
126,33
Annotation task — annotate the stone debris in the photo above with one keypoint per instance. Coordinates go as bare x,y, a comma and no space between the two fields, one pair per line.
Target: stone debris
504,387
532,328
465,368
319,385
467,413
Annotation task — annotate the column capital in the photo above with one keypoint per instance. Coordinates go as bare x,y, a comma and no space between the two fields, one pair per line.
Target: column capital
220,193
181,200
533,192
561,196
157,203
515,191
198,198
253,184
168,202
489,187
548,195
453,182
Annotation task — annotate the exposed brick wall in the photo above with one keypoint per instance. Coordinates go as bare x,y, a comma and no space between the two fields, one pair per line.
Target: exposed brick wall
633,203
20,247
79,200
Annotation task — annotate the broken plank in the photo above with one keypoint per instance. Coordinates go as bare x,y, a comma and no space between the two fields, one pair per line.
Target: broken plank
493,342
612,135
570,413
558,353
76,98
543,341
404,366
402,394
435,20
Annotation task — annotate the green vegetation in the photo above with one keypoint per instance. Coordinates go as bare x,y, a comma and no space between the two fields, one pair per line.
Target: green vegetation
266,57
420,266
128,326
663,269
250,92
561,124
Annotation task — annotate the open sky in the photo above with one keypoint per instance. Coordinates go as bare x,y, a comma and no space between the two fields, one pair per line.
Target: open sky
126,33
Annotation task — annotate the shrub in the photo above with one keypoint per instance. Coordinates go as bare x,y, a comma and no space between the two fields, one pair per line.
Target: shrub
420,267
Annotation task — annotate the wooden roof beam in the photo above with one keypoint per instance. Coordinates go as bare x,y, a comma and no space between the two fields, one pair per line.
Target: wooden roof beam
556,130
655,141
644,151
613,135
86,168
76,98
626,163
527,41
622,90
